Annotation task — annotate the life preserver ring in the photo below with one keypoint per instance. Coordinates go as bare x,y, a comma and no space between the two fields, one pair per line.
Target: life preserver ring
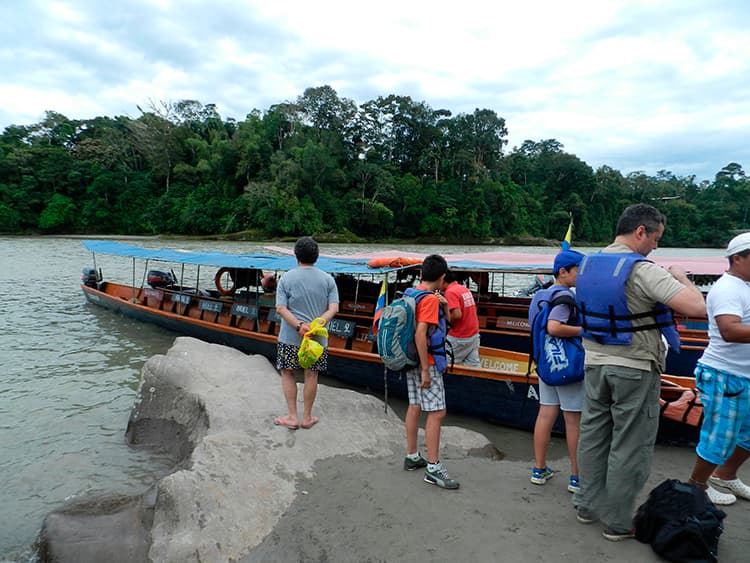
241,277
217,280
268,282
398,262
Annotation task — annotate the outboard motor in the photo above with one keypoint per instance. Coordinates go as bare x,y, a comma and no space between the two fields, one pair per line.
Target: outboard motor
540,282
89,278
157,278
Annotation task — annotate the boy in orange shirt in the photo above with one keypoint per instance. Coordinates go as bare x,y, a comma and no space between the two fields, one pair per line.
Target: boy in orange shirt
425,382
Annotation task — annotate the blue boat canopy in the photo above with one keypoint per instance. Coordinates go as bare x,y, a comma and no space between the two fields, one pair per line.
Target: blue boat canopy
334,265
221,259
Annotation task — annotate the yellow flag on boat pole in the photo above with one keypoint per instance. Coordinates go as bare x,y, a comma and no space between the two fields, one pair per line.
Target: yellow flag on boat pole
568,236
380,305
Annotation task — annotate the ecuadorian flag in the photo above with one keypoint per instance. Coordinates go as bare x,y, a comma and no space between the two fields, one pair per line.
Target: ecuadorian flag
568,237
380,305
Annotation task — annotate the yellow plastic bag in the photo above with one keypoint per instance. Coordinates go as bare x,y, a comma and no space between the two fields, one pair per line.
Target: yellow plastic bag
310,350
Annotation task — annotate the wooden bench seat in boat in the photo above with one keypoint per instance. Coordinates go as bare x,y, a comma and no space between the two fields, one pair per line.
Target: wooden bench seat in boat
270,321
357,307
244,315
350,335
153,297
210,310
512,323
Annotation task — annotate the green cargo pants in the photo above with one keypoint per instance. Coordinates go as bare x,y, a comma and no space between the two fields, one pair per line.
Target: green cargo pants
619,423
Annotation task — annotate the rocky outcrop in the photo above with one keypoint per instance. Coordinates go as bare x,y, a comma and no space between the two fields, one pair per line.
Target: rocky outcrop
114,528
236,473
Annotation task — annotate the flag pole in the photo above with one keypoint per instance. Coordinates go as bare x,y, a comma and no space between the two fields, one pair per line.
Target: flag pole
381,303
569,235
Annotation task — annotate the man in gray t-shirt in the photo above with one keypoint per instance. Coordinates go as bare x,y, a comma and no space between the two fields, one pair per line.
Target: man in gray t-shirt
302,295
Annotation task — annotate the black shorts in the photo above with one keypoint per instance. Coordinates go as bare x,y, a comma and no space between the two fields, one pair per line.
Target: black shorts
286,358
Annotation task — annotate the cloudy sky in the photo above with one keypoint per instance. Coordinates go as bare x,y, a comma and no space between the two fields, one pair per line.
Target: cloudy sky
634,84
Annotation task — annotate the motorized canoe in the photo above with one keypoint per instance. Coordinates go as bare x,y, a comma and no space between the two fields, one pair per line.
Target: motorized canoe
238,310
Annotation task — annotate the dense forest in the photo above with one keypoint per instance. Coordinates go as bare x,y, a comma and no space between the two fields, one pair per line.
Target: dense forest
389,168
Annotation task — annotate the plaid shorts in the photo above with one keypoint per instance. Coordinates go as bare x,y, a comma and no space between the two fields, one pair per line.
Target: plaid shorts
726,413
430,399
286,358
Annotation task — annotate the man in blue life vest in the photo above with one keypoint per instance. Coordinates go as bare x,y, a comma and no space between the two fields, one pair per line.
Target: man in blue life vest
625,301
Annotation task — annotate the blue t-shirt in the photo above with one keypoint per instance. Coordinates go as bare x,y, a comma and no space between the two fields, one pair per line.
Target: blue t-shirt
306,291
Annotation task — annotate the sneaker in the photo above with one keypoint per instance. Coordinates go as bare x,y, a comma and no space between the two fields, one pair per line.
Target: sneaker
584,515
717,497
411,465
573,485
541,476
735,485
440,478
614,535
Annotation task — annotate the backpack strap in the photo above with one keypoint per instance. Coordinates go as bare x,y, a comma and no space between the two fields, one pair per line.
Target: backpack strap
565,298
560,297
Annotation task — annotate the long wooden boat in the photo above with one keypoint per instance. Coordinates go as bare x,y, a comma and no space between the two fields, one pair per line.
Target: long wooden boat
235,309
503,308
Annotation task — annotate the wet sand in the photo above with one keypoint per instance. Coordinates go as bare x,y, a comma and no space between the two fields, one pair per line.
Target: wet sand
372,510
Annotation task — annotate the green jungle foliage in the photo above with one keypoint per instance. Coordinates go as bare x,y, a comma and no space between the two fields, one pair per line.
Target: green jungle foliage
389,168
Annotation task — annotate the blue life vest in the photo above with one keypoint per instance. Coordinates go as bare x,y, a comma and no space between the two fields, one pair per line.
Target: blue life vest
436,337
600,295
559,361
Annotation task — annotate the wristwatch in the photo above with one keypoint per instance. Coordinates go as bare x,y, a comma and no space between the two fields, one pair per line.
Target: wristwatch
299,325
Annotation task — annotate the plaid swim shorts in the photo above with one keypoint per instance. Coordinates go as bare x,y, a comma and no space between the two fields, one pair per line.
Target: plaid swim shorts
726,413
286,358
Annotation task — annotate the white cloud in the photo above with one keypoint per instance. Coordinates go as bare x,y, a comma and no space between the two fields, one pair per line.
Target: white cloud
635,84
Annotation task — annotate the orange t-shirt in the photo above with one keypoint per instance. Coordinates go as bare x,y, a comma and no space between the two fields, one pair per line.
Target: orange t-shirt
427,312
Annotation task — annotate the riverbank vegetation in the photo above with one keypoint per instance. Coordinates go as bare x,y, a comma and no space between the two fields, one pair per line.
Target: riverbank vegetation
389,168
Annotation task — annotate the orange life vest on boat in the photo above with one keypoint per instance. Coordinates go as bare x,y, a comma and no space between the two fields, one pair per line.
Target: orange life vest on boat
686,408
390,262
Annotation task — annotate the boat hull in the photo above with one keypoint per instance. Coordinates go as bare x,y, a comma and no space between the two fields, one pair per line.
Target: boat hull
499,391
491,397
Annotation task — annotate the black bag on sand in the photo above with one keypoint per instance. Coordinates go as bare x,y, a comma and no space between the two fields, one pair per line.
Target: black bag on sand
680,523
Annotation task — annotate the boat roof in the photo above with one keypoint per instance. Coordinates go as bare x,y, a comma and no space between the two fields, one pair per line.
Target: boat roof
526,262
284,262
501,262
225,259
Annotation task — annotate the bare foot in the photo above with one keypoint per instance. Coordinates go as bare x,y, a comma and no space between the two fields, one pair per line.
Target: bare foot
286,421
310,423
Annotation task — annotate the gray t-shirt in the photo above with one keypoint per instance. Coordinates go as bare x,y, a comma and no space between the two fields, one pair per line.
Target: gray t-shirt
306,291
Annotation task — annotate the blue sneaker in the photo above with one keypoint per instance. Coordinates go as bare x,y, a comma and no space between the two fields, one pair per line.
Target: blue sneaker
573,484
541,476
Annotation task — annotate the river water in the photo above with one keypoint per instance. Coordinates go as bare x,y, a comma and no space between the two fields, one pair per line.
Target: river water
69,373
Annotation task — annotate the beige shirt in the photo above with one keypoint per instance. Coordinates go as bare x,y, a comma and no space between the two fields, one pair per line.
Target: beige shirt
648,284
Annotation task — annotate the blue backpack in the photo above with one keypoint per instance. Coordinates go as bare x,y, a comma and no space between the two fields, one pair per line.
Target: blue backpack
559,361
396,329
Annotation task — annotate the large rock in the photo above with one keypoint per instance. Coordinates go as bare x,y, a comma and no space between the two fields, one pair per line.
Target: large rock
236,473
114,528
